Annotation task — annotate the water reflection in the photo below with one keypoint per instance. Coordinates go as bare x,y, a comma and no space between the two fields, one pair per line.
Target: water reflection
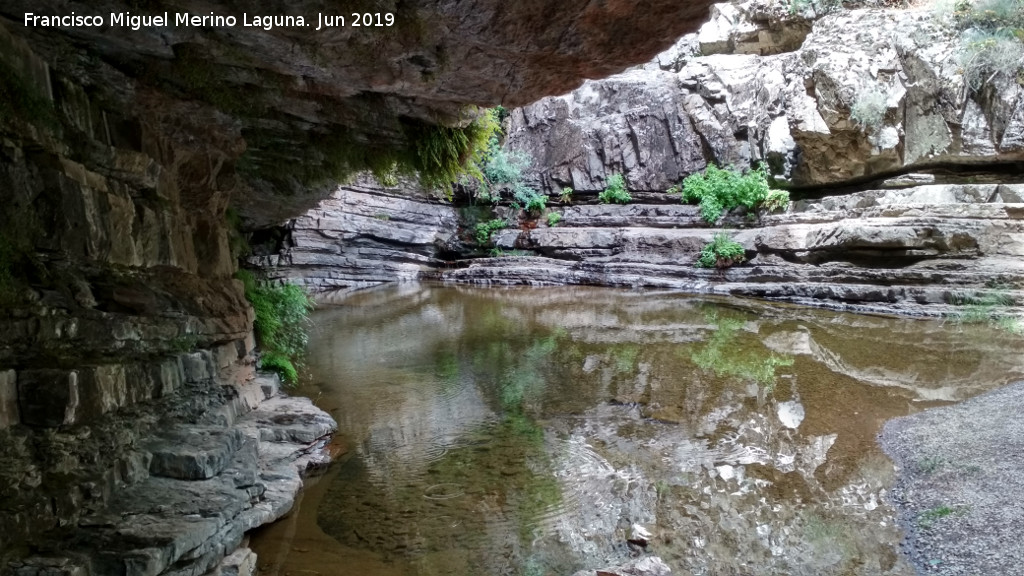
524,432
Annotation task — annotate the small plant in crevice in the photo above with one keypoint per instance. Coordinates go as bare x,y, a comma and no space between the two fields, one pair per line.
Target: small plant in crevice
281,326
554,218
722,252
184,343
503,173
718,190
565,195
530,200
485,230
868,108
615,192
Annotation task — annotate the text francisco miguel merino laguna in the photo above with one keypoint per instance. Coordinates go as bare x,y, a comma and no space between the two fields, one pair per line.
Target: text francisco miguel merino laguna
136,22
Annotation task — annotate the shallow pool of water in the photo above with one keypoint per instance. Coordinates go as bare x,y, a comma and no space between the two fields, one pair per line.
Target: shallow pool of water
526,431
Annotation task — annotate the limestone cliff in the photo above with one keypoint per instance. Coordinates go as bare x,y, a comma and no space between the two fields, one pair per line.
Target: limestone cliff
780,91
124,338
910,214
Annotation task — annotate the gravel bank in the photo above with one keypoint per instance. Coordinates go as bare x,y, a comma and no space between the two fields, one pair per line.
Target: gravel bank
960,482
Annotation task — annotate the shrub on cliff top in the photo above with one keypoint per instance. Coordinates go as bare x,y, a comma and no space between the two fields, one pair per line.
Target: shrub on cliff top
990,40
716,191
282,315
868,109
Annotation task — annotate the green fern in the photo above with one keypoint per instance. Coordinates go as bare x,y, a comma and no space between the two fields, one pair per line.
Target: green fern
615,192
716,191
721,252
281,326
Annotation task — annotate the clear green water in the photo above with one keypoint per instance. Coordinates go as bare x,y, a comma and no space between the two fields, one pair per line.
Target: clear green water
525,431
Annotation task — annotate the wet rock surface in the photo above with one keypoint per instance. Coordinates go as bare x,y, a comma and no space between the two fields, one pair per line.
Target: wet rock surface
958,471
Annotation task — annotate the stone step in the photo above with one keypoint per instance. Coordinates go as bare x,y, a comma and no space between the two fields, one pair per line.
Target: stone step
182,520
193,452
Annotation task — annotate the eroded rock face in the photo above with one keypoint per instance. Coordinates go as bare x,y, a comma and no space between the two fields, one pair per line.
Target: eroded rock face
120,153
786,102
195,491
296,98
914,250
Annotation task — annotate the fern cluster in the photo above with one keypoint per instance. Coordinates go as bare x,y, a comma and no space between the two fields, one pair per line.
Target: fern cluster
443,154
484,230
503,171
721,252
716,191
282,314
615,192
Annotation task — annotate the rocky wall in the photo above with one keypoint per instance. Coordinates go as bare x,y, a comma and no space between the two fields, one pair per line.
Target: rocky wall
907,248
130,439
127,366
760,84
920,250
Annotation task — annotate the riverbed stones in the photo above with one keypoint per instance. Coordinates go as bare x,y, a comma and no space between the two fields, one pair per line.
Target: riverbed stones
959,480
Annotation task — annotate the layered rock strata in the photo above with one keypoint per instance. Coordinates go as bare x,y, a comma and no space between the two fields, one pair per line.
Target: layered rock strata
925,249
292,105
919,250
364,234
196,480
121,151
